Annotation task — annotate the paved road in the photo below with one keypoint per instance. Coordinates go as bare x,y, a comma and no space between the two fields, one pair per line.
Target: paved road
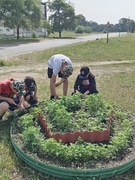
17,49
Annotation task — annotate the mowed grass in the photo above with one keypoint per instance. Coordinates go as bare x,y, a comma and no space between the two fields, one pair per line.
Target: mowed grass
116,82
118,49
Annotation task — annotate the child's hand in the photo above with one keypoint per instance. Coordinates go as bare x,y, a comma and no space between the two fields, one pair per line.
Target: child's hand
21,107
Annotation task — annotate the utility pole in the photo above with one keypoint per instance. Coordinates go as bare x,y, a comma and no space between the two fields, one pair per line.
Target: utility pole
108,24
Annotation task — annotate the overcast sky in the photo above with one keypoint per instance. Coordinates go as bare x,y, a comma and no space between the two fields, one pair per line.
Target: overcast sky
102,11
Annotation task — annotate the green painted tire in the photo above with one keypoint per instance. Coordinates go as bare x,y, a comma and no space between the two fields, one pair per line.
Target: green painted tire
70,174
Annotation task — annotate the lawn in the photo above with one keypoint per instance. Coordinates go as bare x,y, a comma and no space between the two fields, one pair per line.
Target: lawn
113,65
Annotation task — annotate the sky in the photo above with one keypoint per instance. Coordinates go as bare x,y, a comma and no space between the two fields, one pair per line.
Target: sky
102,11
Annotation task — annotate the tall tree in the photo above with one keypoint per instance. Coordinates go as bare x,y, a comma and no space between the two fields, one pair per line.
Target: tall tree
62,16
132,26
124,24
5,8
20,13
81,20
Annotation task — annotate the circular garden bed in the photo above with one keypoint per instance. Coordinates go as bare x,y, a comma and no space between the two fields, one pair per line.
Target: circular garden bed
108,150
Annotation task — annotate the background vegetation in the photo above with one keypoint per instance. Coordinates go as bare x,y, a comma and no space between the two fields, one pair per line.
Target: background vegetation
113,65
57,16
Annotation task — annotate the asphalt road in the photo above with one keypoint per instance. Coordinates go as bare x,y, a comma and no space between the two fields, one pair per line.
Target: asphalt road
17,49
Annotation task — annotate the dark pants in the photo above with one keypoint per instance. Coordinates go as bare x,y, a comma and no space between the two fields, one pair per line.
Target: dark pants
50,72
94,91
31,100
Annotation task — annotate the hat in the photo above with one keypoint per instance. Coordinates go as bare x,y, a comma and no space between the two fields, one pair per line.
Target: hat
30,83
67,71
84,71
19,87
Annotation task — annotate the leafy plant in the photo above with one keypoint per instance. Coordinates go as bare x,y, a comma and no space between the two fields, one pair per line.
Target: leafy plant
77,113
81,152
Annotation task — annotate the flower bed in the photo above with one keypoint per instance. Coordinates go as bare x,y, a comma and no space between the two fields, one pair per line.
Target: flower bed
30,137
95,136
70,114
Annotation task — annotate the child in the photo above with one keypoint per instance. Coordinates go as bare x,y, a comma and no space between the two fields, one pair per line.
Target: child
60,65
85,82
31,90
8,89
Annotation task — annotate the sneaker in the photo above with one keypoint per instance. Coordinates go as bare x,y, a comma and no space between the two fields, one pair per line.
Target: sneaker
52,97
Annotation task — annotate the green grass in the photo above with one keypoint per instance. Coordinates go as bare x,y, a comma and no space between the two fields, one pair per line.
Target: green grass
119,88
118,49
116,82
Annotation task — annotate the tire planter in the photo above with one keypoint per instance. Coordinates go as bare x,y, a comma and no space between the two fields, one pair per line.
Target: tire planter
66,173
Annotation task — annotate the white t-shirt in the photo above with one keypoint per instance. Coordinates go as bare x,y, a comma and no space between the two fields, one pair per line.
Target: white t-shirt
55,62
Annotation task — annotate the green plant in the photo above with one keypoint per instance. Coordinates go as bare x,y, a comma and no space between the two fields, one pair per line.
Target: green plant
77,113
81,152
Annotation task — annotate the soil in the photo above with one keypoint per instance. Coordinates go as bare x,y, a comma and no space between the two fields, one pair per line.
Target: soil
35,70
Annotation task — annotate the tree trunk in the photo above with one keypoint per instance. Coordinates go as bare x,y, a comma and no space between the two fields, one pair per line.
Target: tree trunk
17,32
59,34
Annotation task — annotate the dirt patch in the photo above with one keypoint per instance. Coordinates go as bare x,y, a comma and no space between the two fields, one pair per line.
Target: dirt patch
35,70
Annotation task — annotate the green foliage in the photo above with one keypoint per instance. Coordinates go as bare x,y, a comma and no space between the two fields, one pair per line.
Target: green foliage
79,29
34,35
25,121
21,14
72,103
45,24
81,151
2,63
83,29
77,113
62,16
31,137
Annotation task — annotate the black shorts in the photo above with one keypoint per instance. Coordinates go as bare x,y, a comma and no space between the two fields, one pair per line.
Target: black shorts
50,72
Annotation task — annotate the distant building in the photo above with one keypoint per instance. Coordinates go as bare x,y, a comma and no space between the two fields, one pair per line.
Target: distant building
6,32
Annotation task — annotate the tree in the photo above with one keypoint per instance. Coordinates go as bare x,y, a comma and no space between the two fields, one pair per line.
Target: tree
46,25
81,20
20,14
79,29
124,24
5,8
63,16
132,26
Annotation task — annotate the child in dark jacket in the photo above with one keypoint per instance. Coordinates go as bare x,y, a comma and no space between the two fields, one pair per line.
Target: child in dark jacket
85,82
31,90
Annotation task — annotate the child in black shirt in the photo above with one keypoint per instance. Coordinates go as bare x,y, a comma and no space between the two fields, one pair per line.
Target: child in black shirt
85,82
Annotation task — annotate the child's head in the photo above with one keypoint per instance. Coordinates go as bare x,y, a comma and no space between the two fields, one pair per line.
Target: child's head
18,87
67,71
84,71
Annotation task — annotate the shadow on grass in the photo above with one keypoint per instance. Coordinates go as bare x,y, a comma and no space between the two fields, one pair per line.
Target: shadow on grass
63,38
15,42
